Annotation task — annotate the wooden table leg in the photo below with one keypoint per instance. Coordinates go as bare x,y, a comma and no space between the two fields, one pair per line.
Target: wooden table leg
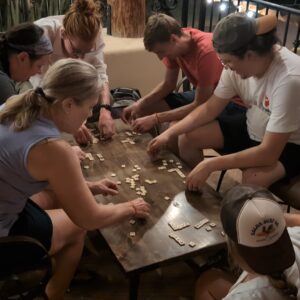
134,281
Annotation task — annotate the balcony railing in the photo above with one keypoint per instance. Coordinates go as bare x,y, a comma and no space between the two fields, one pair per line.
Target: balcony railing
204,14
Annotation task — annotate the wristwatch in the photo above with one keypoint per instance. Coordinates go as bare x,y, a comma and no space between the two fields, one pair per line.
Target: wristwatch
106,106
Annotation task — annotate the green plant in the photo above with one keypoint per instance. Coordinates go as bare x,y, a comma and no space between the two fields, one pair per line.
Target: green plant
13,12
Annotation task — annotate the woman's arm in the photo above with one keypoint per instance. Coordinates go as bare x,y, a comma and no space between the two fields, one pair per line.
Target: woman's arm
56,163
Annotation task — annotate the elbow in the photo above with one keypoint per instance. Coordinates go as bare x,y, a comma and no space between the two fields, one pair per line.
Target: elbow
87,223
169,86
268,156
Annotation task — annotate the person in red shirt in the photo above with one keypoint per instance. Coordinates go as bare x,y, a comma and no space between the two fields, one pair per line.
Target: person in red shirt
186,49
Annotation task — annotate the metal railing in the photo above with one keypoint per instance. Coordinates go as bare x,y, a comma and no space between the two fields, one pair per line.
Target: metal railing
205,14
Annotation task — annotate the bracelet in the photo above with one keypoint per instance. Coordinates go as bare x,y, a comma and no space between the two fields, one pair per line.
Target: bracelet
106,106
156,118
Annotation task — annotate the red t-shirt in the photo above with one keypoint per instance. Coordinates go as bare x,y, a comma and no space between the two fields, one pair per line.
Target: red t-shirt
201,65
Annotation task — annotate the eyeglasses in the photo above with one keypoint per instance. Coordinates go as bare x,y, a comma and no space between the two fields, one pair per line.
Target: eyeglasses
78,52
224,64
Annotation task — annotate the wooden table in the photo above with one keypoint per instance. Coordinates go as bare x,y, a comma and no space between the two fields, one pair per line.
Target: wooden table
152,247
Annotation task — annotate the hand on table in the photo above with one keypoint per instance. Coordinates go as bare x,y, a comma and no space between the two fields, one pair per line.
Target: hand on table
144,124
83,136
106,124
104,187
141,208
130,113
158,143
198,176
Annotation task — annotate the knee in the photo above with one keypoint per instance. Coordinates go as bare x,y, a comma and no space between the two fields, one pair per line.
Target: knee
184,143
81,234
250,176
212,282
78,237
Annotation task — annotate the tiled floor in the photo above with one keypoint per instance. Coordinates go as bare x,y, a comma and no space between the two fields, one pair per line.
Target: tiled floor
175,282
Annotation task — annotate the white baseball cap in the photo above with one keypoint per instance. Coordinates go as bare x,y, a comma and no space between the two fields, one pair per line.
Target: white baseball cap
254,221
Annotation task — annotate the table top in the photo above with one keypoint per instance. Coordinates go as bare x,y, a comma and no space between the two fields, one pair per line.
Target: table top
151,246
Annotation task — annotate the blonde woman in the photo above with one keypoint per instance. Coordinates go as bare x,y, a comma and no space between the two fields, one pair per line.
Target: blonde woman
77,34
33,157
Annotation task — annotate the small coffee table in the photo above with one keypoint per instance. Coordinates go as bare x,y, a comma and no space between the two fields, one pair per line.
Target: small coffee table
146,244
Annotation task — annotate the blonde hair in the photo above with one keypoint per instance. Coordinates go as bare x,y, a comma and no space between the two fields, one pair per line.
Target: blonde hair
159,29
83,19
278,280
66,78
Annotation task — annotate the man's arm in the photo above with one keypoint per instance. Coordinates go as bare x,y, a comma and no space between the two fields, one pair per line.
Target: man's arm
201,95
202,115
161,91
106,124
265,154
150,103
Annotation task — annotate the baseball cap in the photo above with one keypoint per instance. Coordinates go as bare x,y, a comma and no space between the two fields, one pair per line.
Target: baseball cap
255,223
237,30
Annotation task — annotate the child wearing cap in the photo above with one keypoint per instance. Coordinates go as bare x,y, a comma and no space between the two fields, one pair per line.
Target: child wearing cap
266,144
24,50
260,245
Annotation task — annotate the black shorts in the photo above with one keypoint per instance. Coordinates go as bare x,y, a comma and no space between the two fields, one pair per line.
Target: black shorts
34,222
236,138
175,100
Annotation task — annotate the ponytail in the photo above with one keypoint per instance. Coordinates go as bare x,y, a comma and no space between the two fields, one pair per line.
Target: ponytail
21,110
279,281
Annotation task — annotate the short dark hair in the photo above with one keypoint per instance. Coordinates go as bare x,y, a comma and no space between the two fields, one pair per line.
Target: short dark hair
261,44
22,34
159,29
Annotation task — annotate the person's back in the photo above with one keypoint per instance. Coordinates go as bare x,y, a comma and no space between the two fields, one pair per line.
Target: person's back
261,287
200,65
260,245
16,184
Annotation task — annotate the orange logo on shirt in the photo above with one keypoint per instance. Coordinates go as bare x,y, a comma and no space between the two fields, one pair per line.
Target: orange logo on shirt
266,103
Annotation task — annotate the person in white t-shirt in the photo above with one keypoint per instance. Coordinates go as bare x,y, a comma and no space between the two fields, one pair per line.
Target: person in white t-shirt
259,244
266,144
77,34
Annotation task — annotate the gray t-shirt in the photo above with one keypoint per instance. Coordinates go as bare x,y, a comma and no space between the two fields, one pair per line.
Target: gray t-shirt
16,184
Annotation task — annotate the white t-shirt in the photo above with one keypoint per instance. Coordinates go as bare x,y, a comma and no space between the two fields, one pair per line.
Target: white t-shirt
53,26
260,288
273,100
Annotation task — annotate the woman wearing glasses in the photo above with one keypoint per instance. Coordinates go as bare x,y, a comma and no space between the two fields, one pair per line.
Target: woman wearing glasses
77,34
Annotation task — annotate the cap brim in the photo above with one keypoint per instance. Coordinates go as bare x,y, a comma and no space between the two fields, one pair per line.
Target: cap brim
265,24
269,259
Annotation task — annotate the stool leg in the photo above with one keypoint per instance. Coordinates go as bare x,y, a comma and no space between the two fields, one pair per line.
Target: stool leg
220,180
134,281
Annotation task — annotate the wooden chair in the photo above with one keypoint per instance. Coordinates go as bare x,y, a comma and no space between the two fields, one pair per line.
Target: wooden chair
23,276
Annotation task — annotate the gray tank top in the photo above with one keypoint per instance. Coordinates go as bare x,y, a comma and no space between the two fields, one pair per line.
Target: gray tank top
16,184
